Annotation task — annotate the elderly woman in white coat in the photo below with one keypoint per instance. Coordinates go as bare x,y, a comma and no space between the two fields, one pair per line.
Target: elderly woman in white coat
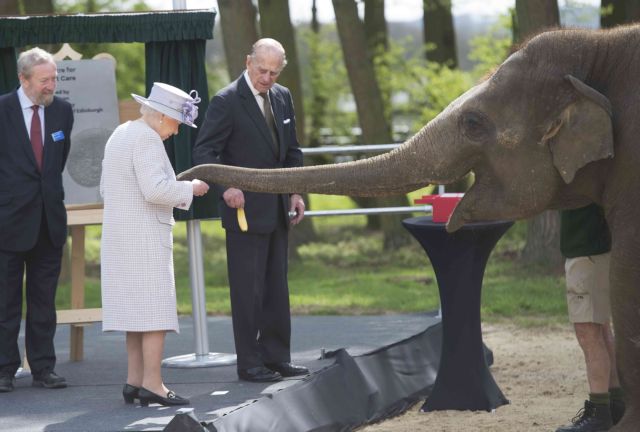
140,190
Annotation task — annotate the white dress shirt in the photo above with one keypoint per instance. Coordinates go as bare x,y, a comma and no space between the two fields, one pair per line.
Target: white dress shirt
27,112
256,93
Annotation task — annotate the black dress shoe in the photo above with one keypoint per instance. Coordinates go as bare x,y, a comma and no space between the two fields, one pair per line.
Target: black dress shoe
259,374
130,393
171,399
287,369
49,380
6,383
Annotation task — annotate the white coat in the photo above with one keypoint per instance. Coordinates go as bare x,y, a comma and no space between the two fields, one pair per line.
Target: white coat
140,190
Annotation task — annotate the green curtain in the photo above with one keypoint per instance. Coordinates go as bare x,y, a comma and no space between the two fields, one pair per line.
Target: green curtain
8,73
181,64
111,27
143,27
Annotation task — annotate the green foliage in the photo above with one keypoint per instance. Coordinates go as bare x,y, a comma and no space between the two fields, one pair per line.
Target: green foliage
428,87
415,89
217,78
606,11
492,48
326,75
97,6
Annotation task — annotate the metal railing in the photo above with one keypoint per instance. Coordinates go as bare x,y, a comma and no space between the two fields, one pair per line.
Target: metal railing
365,148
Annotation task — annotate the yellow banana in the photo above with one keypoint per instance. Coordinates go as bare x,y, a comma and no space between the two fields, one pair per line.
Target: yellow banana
242,220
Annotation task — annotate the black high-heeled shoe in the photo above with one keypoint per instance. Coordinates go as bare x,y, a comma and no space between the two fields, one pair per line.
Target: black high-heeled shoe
147,397
130,393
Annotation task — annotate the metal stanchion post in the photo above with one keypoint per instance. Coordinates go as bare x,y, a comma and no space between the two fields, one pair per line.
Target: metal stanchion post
202,357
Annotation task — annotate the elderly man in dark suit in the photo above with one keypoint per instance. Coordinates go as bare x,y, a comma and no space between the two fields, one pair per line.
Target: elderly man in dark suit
35,127
251,123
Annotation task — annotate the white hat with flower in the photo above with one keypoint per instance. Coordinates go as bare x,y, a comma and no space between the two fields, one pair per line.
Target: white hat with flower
173,102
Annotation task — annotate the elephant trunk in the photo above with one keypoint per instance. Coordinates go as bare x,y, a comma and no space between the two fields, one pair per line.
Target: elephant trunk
409,167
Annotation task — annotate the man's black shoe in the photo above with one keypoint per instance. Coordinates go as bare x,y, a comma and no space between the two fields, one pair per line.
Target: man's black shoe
258,374
6,383
617,410
591,418
287,369
49,380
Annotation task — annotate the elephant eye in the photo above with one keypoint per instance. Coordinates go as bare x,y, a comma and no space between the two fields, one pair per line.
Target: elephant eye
475,126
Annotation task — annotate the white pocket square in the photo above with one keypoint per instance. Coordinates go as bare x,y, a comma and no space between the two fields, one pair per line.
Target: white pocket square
286,121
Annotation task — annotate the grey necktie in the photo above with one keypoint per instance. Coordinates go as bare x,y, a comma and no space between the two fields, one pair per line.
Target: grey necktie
268,116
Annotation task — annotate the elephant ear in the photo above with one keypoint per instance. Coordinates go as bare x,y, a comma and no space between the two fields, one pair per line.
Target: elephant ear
583,131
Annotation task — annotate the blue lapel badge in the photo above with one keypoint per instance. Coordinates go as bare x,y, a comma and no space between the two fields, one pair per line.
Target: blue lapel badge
57,136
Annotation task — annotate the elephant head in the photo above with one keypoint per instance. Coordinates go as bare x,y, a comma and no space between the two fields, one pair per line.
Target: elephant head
524,133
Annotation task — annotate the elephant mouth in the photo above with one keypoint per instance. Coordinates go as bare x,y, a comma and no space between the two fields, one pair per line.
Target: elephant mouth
460,214
475,204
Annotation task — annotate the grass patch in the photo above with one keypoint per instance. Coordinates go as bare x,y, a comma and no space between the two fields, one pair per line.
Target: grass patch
347,272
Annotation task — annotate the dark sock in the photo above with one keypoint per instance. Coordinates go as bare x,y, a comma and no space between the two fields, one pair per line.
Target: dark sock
616,393
599,398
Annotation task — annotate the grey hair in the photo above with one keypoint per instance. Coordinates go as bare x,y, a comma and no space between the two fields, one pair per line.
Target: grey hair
270,45
146,110
33,57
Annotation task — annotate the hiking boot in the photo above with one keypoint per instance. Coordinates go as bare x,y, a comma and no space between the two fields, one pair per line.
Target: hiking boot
591,418
617,410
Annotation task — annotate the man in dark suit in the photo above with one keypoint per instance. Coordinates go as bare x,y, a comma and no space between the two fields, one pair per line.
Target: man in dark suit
35,127
251,123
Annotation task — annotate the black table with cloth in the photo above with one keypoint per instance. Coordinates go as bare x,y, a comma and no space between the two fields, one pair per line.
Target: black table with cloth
464,381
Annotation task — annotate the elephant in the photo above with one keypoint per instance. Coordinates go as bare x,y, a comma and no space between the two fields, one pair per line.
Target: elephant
555,126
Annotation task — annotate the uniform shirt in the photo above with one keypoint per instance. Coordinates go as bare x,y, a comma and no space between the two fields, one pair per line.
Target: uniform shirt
584,232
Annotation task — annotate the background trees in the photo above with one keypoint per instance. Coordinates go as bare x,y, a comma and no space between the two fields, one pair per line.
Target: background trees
543,231
439,34
235,15
617,12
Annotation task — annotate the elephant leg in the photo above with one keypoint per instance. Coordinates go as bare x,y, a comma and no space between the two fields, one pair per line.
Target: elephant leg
630,422
625,308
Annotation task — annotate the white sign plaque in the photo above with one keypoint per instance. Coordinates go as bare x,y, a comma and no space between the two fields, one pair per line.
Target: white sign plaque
90,87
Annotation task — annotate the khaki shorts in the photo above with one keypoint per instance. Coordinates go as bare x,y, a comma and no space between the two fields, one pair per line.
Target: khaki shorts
588,288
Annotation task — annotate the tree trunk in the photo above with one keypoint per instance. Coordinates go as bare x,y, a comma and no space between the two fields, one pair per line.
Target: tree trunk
275,23
543,231
439,32
375,26
369,104
34,7
10,7
319,97
368,98
543,240
239,33
619,12
535,16
376,33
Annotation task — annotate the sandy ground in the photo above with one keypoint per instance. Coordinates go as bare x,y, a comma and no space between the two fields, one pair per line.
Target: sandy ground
540,371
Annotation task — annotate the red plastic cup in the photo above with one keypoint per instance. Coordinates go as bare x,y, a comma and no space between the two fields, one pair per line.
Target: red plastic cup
442,204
